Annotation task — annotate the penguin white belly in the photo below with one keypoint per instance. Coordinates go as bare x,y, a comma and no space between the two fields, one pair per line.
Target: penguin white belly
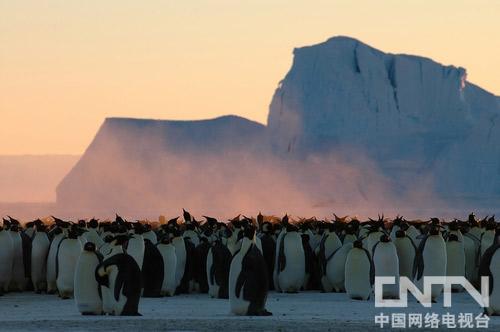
6,260
39,251
292,277
93,236
386,261
169,285
17,281
180,253
372,240
435,260
455,266
487,240
135,249
69,252
87,298
51,264
494,308
113,305
335,268
357,275
406,256
238,305
471,264
213,288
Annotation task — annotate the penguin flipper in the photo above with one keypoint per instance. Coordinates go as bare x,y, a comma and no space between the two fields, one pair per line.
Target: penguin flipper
240,282
372,267
418,263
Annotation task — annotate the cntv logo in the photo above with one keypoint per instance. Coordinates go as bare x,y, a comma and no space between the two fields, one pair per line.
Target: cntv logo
406,285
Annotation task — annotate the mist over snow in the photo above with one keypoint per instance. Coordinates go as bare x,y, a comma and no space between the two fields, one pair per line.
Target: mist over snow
350,129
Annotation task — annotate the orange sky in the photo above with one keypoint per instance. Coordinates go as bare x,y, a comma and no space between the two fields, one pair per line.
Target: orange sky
66,65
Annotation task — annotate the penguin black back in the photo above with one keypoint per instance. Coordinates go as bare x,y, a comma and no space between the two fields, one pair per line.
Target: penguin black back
152,270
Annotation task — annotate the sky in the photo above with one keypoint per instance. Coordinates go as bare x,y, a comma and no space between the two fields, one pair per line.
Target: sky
66,65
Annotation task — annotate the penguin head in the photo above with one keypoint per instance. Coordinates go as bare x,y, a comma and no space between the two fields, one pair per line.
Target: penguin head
434,230
400,234
41,228
120,240
82,223
89,246
291,228
139,228
165,240
385,238
249,232
358,244
14,228
93,223
452,237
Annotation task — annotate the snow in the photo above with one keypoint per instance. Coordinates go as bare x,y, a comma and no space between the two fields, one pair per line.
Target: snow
291,312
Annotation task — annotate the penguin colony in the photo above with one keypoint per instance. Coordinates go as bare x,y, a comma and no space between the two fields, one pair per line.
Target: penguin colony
108,266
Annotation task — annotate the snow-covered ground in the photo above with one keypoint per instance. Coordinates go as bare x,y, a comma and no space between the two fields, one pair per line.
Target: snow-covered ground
295,312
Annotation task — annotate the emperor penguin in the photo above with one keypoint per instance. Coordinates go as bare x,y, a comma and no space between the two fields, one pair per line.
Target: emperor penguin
122,276
67,256
472,256
6,259
328,245
136,246
359,272
386,263
87,291
115,247
180,253
268,249
167,251
335,267
200,264
152,270
291,261
39,252
455,259
490,267
18,279
52,260
488,237
431,260
406,253
248,285
218,264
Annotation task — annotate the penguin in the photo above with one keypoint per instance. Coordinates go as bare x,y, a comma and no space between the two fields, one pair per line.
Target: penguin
359,272
136,245
386,263
6,258
200,264
150,235
152,270
335,267
455,259
471,250
328,245
406,251
67,256
309,261
121,275
18,279
291,261
490,267
268,249
88,296
58,234
167,251
488,237
115,246
188,282
431,260
248,285
39,252
218,264
180,253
